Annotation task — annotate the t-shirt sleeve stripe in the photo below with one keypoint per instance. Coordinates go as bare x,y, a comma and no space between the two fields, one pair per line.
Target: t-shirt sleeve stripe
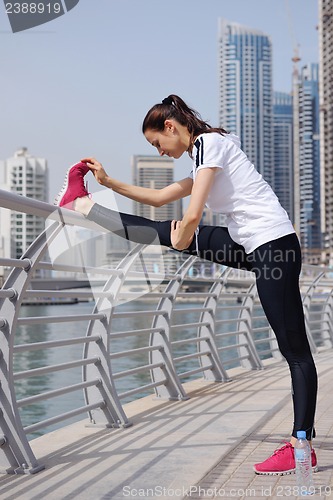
199,144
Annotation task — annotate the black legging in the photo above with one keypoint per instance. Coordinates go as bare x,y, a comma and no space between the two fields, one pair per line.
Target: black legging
276,265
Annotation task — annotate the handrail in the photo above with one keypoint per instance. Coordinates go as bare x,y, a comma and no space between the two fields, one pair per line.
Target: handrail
178,338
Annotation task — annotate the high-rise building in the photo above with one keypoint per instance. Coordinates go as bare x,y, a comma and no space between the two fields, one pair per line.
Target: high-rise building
325,27
283,150
155,172
28,176
306,119
246,91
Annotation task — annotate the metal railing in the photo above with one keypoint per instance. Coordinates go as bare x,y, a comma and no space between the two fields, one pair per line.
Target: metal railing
182,326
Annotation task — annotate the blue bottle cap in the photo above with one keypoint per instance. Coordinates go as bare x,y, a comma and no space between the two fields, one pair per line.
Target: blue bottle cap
301,435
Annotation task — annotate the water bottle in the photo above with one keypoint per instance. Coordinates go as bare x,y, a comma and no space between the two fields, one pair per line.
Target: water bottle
303,465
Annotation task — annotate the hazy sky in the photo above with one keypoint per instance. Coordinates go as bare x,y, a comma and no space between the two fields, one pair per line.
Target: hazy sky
81,84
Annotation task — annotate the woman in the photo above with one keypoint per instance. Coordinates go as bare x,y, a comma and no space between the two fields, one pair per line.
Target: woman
259,236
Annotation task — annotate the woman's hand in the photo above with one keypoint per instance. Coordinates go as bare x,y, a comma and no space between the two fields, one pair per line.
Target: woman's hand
175,236
97,169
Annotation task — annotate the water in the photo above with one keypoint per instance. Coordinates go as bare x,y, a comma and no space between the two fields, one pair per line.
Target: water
303,465
28,360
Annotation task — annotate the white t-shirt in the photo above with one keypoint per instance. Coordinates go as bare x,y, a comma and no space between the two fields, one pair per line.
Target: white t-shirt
254,214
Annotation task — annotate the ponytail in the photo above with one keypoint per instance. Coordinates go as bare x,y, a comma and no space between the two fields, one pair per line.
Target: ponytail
173,107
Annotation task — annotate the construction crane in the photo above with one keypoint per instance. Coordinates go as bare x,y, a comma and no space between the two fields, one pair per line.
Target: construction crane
296,47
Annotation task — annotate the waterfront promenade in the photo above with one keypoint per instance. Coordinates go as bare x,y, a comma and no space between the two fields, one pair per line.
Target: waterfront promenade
203,447
222,393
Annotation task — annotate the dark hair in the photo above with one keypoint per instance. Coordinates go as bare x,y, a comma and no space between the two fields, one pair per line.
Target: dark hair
173,107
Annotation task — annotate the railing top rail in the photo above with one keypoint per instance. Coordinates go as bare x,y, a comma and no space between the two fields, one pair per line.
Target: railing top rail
29,206
314,267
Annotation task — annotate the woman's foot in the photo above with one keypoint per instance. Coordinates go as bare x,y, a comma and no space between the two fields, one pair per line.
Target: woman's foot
83,205
74,187
282,462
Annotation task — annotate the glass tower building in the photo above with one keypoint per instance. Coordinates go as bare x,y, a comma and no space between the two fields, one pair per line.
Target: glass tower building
325,26
245,91
309,163
283,150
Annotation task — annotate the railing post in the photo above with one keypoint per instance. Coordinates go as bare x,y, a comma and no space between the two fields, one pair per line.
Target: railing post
307,299
249,351
172,388
112,415
16,455
216,373
328,318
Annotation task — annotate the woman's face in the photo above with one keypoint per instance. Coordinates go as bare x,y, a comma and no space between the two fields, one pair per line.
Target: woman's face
168,142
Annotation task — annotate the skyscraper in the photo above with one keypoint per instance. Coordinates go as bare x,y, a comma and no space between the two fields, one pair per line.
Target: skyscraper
283,150
245,88
308,179
155,172
28,176
326,123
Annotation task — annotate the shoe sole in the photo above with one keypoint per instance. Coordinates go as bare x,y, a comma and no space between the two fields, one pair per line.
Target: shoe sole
284,473
64,188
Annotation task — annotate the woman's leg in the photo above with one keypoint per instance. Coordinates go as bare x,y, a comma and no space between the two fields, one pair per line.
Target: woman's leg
131,227
277,266
213,243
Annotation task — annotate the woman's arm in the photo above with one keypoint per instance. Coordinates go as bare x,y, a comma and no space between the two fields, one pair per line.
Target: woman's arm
148,196
182,232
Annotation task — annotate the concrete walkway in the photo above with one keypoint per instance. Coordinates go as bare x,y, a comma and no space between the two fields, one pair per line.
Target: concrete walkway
200,448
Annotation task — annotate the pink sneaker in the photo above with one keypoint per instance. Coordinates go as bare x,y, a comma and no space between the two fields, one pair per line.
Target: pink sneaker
73,187
282,462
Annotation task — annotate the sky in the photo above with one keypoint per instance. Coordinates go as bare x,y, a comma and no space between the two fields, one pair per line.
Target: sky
81,85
